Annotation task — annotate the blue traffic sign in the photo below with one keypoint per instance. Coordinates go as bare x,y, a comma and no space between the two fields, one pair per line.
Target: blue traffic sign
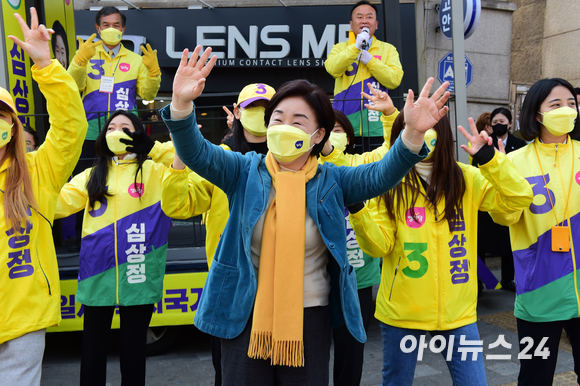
471,14
445,73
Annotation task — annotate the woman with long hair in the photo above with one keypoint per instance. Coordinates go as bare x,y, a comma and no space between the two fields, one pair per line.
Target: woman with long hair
280,273
123,246
348,352
544,235
429,227
29,186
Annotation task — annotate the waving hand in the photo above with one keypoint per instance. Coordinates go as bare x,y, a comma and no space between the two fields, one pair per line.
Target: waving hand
189,80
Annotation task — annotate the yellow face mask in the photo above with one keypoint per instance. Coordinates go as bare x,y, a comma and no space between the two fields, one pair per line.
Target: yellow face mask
111,36
253,120
114,143
5,132
430,141
560,121
287,143
338,140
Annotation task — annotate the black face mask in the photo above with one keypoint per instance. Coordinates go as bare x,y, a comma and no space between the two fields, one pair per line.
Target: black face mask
499,129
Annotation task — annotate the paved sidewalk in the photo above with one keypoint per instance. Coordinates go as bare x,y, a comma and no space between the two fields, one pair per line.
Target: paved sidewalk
189,362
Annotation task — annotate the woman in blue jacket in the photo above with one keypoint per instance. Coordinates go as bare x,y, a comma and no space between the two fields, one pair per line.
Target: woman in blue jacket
280,275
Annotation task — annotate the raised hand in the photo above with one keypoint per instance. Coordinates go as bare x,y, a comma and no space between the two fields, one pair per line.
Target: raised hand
36,39
477,140
87,50
381,101
189,80
150,61
230,119
140,142
426,111
500,147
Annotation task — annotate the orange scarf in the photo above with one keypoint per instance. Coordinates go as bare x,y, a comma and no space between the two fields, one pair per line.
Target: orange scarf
279,308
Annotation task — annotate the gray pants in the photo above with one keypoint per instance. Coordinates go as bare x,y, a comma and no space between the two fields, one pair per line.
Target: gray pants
21,359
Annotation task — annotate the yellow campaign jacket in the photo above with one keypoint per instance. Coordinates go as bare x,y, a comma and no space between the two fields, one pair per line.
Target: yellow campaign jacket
122,226
547,281
429,274
131,79
384,71
204,197
29,280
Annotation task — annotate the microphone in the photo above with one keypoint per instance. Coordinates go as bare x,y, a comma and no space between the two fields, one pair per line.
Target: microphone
365,42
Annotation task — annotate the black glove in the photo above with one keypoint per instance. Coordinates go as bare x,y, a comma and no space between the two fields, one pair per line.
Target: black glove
354,208
140,142
484,155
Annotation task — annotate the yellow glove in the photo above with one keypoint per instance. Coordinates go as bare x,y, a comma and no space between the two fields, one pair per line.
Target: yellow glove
86,50
150,61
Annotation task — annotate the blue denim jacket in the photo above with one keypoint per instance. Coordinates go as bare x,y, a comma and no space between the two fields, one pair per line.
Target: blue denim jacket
230,290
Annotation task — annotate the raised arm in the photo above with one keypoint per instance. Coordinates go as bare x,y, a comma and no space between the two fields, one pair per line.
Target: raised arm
78,67
73,196
369,181
57,157
375,231
212,162
149,78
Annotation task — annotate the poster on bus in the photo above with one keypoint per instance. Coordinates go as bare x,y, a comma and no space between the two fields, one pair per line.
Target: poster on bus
58,15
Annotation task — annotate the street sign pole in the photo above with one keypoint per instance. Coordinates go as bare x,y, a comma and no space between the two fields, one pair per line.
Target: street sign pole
458,43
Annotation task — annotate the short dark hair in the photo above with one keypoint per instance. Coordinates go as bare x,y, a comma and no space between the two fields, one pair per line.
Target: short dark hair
345,123
34,136
530,128
363,2
315,97
106,11
501,110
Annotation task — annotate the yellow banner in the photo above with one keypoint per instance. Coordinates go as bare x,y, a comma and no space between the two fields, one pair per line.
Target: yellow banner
181,294
17,63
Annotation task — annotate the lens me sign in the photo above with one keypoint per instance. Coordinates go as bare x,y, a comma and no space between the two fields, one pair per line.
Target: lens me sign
236,49
240,37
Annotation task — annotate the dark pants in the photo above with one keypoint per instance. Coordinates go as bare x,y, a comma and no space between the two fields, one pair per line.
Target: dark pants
238,369
133,340
507,269
349,352
538,371
216,358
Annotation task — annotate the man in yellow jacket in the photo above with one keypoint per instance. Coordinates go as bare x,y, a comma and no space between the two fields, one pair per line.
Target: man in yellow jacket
362,60
110,76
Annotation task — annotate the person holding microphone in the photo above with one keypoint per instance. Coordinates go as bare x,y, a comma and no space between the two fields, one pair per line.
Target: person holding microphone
361,60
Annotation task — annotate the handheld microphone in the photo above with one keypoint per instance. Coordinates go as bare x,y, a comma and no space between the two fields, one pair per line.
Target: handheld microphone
365,42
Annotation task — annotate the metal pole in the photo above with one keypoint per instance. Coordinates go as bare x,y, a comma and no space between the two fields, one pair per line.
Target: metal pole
458,42
392,33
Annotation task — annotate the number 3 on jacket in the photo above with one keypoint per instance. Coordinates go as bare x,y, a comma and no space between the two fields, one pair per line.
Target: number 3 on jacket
416,255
